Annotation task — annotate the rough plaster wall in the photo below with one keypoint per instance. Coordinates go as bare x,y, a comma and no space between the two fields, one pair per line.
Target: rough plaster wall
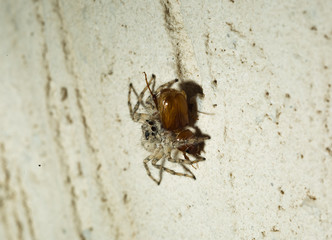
70,156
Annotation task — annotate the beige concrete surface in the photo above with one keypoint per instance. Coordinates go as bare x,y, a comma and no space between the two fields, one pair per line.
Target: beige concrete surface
71,161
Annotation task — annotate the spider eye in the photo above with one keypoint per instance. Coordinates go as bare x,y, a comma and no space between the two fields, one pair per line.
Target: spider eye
147,134
151,122
153,129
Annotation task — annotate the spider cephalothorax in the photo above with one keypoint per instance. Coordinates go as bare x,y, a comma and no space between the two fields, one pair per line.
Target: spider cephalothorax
164,128
151,134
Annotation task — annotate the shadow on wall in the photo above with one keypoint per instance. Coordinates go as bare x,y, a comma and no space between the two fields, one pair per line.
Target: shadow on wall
193,90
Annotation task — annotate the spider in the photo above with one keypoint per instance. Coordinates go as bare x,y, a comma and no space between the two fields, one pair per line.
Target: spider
163,141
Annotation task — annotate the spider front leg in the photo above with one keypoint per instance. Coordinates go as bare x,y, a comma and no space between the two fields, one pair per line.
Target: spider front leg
156,156
135,116
166,85
139,98
133,112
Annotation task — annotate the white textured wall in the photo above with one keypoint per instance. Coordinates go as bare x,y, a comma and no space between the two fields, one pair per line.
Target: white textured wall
70,156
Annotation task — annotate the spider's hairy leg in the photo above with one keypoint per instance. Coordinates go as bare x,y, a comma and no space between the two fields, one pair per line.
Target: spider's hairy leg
139,100
140,117
153,78
187,161
187,169
161,166
139,97
135,116
166,85
161,169
190,141
156,156
129,101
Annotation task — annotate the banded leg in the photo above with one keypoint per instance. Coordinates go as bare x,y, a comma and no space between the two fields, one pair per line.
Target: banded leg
161,166
155,159
139,97
166,85
154,82
139,100
135,116
190,141
198,157
161,169
188,170
129,101
187,161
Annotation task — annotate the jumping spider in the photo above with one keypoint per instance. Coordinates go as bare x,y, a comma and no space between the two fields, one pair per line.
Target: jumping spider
165,128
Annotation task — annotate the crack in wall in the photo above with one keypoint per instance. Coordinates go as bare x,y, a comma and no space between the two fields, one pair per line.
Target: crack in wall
208,52
55,125
74,206
87,135
87,130
233,29
26,208
7,192
69,62
18,225
186,64
327,100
